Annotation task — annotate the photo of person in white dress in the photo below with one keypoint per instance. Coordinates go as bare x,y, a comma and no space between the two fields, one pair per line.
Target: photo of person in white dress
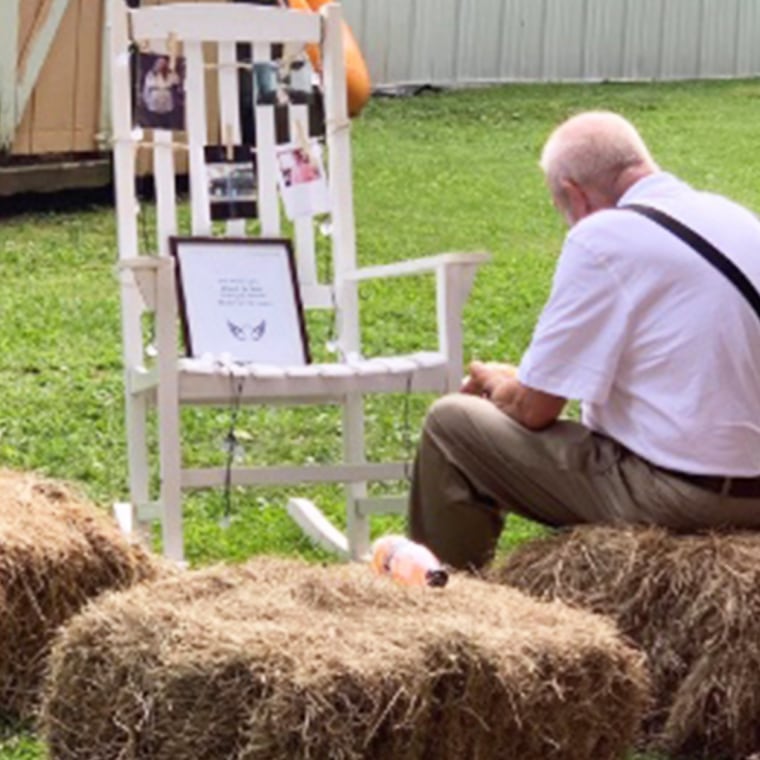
161,102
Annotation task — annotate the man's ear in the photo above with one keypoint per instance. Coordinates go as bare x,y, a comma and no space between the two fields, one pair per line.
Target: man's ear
578,203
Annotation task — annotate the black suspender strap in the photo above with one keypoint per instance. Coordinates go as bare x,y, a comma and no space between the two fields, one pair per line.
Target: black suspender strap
705,249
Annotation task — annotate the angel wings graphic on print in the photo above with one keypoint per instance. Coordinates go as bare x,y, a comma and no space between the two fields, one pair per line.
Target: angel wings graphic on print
245,332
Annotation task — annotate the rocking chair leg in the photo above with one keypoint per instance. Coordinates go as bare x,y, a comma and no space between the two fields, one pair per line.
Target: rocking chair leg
317,527
126,513
137,450
169,439
171,492
357,525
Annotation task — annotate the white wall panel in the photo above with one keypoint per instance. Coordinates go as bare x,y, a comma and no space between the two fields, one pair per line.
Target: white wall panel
480,38
460,41
681,34
400,39
748,38
604,42
428,31
434,42
522,54
642,38
564,39
375,41
718,43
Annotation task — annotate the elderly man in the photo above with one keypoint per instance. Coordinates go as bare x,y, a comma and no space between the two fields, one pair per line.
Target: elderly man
645,327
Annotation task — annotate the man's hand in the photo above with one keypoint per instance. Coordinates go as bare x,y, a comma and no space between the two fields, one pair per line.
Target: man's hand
497,382
485,377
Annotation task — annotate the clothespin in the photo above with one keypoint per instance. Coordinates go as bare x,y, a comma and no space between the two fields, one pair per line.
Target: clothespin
291,52
229,143
302,141
172,45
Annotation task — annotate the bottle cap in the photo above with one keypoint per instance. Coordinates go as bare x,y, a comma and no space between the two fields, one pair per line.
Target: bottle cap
437,578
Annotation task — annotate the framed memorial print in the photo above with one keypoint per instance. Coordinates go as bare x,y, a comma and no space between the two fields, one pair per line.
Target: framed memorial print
239,297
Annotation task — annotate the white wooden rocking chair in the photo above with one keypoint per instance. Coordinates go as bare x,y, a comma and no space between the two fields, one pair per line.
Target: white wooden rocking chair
208,34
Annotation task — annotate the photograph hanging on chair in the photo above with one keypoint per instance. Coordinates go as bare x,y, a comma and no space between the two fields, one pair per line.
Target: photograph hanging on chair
302,181
231,173
285,81
160,91
289,79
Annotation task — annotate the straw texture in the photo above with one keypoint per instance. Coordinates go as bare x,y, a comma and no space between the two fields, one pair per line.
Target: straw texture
279,659
57,551
691,602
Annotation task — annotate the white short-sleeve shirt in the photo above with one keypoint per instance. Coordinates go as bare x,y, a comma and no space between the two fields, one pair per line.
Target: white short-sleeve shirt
663,351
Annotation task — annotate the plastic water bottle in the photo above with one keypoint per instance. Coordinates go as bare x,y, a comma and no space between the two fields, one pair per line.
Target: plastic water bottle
407,562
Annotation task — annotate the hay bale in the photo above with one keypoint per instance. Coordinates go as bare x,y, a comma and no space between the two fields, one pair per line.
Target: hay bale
279,659
691,602
57,551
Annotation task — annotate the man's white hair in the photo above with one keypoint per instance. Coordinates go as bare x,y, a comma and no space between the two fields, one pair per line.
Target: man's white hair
593,148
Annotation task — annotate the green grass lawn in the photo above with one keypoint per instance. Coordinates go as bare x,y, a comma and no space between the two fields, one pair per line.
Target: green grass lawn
441,172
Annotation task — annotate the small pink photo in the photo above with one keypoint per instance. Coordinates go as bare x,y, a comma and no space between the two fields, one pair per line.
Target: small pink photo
302,180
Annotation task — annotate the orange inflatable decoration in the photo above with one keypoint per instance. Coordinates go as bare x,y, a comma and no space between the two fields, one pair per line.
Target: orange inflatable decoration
357,77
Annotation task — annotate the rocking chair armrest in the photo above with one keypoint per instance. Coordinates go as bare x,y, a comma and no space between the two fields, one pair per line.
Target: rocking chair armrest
139,263
418,266
144,271
454,273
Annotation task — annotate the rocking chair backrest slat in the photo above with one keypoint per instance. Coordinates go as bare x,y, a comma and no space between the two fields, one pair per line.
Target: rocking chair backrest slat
341,188
166,193
304,226
266,160
197,136
125,160
237,23
229,112
125,149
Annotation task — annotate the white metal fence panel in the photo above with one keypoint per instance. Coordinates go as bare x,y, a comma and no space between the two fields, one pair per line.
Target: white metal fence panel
523,45
606,26
432,21
681,32
480,38
748,49
564,39
463,41
716,45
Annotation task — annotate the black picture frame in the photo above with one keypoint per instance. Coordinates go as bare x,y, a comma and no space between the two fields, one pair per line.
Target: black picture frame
240,297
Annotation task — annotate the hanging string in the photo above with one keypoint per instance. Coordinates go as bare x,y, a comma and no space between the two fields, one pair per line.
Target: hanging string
326,276
231,442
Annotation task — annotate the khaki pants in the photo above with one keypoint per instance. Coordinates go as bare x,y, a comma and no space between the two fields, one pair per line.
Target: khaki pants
475,464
